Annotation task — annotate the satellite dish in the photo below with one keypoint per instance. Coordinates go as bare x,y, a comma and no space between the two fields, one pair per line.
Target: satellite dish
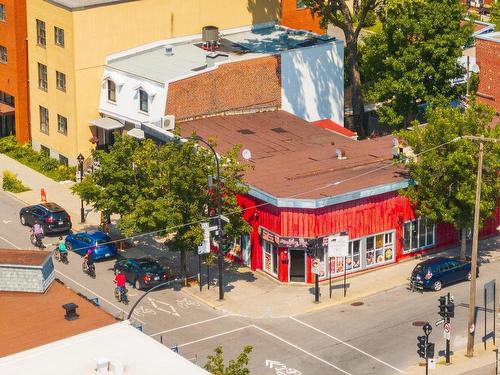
247,155
475,68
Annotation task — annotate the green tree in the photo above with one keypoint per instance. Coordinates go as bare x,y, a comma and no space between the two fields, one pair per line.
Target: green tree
338,13
445,176
495,14
215,363
413,60
164,188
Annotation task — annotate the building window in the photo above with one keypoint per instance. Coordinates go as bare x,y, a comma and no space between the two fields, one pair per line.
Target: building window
63,160
111,91
3,55
40,33
45,150
2,12
44,120
379,249
299,4
143,101
62,124
6,98
59,36
353,260
61,81
270,257
42,77
418,234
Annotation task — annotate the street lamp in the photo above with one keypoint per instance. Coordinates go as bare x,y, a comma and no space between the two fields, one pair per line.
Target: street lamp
81,159
220,256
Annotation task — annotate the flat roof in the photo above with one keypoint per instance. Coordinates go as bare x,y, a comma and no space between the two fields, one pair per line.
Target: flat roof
82,4
119,344
293,158
23,257
493,37
29,320
189,57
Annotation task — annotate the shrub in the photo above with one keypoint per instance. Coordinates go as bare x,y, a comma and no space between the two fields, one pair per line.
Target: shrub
12,183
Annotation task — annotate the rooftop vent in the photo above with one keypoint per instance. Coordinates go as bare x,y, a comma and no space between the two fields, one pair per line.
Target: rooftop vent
340,154
278,130
106,367
210,33
70,311
246,131
169,50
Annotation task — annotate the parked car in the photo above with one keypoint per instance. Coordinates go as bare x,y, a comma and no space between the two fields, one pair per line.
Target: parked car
436,272
99,241
52,217
142,273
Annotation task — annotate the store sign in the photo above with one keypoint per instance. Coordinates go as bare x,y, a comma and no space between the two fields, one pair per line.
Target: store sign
204,247
293,242
269,236
338,245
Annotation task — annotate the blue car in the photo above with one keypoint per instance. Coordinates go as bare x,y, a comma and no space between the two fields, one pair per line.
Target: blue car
99,241
436,272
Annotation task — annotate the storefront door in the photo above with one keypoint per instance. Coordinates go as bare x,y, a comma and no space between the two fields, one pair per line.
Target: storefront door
297,264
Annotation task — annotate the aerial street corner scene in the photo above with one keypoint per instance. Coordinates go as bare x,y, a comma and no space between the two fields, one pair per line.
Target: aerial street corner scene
268,187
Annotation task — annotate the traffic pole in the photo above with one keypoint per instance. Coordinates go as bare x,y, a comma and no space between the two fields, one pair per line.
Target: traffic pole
448,340
316,275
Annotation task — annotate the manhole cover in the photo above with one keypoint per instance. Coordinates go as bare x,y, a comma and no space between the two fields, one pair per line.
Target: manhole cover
418,323
359,303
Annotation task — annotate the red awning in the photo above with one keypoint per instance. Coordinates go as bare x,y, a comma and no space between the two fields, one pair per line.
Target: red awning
6,109
336,128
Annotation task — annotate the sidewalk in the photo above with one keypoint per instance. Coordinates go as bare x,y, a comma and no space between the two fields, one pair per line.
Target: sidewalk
256,295
57,192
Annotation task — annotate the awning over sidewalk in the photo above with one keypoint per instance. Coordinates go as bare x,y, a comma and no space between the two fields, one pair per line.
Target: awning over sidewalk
106,123
6,109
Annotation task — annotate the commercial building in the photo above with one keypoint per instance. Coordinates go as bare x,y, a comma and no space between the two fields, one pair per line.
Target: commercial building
14,103
488,60
68,41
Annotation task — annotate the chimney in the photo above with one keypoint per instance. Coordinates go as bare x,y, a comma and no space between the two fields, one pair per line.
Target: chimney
340,154
70,311
215,57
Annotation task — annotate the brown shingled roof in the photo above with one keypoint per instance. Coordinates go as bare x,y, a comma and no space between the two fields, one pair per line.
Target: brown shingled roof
23,257
292,157
28,320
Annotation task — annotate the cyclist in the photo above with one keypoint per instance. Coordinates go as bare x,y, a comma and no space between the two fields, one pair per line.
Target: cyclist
61,247
120,281
38,233
89,258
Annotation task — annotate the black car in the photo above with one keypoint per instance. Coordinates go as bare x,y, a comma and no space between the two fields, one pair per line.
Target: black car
52,217
436,272
142,273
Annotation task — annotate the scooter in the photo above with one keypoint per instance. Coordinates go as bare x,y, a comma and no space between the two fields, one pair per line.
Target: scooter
89,270
121,295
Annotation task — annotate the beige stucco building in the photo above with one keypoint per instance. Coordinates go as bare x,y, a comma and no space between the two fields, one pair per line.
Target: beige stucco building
68,41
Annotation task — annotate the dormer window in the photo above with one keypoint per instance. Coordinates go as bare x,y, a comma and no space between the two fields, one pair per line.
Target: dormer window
143,101
111,91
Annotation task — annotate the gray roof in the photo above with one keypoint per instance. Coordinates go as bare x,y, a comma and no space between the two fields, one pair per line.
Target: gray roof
189,57
493,37
82,4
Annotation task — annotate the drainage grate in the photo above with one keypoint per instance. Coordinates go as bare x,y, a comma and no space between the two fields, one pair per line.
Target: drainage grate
359,303
246,131
418,323
278,130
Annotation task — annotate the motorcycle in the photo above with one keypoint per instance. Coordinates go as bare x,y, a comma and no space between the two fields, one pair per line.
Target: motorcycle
61,257
121,295
37,241
89,270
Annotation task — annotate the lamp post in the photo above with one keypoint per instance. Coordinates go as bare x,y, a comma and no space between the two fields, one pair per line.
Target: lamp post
81,159
220,256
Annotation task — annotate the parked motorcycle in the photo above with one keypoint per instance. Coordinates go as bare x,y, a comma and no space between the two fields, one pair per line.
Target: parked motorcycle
121,295
89,270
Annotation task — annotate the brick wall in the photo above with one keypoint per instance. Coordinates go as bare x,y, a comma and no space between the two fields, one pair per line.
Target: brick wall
18,278
488,59
250,84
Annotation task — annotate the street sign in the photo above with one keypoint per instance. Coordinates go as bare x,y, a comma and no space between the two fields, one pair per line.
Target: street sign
204,247
432,363
315,266
447,331
439,322
338,245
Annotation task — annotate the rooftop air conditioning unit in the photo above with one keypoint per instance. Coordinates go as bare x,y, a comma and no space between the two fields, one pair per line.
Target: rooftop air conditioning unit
168,122
169,50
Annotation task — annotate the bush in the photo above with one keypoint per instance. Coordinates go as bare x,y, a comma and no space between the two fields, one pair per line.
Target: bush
12,183
36,160
371,19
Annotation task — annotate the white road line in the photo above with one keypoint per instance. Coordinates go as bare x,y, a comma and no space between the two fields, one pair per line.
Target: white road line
302,350
189,325
10,243
346,344
214,336
97,295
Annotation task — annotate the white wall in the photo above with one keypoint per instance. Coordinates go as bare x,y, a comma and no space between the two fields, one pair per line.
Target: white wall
312,82
127,98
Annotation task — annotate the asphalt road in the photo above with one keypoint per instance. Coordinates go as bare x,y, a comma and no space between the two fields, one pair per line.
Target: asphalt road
376,337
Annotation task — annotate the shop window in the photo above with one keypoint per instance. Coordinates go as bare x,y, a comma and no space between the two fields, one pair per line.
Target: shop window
40,33
42,77
379,249
3,55
270,257
61,81
143,101
2,12
241,248
62,124
59,36
353,260
44,120
418,234
6,98
111,91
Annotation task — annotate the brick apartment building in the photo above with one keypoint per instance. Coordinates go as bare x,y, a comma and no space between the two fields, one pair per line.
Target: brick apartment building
488,59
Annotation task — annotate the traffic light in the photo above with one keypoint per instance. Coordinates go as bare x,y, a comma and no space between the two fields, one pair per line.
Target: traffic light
430,350
442,306
450,309
421,346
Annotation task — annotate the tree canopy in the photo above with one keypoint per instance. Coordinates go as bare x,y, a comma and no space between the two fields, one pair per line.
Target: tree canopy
445,176
164,188
413,60
495,14
215,363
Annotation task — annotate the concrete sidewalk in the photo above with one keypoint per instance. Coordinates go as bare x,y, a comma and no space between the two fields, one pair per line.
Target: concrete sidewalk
57,192
256,295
